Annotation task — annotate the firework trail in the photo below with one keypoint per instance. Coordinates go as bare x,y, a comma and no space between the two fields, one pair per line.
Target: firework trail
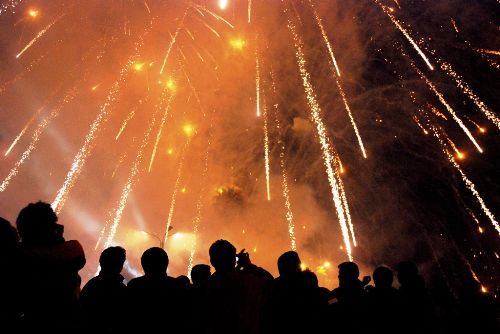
447,106
257,84
284,182
86,149
120,160
9,5
249,10
454,24
266,152
209,27
337,79
172,41
459,154
174,193
322,135
125,122
491,52
345,204
39,35
387,11
160,129
469,184
134,171
36,137
480,128
217,17
469,93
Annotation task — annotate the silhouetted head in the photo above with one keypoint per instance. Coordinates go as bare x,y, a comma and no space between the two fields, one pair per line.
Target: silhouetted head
407,272
183,280
348,272
200,273
112,260
289,263
383,277
9,239
154,261
310,279
37,223
222,255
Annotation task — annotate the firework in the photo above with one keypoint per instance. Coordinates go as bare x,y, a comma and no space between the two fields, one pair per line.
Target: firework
160,129
266,153
172,41
38,36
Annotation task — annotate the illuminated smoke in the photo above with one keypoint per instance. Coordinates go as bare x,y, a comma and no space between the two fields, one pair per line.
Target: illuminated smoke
323,138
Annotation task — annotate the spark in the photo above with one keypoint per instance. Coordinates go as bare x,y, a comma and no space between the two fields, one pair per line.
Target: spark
249,10
27,70
448,69
454,24
210,28
120,161
346,207
447,106
459,154
36,137
132,178
322,135
217,17
33,12
170,84
406,34
337,80
147,7
172,41
125,122
176,189
415,118
86,149
12,4
238,43
94,88
436,112
284,183
491,52
23,131
160,129
38,36
138,66
257,84
266,153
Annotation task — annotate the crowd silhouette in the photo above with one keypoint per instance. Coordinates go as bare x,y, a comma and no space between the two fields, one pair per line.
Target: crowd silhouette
40,292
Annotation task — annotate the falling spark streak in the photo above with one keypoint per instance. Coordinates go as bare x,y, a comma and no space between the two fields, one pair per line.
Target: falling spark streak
176,189
36,137
120,160
134,171
323,138
284,183
325,38
249,10
266,152
86,149
415,118
405,33
147,7
172,41
470,185
210,28
124,124
470,94
217,17
454,25
23,131
40,34
491,52
436,112
455,148
337,80
450,110
199,203
160,129
257,84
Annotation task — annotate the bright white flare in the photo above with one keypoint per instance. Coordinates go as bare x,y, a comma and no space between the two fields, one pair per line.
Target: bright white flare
223,4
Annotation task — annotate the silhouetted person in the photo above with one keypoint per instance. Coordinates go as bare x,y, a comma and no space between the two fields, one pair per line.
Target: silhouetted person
384,302
50,266
348,302
157,301
200,273
103,298
233,298
417,308
10,309
296,303
184,281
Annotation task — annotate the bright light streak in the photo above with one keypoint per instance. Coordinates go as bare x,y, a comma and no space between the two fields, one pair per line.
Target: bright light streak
217,17
249,10
160,129
448,69
176,189
223,4
491,52
36,137
257,84
325,38
266,153
406,34
172,41
39,35
23,131
322,135
125,122
447,106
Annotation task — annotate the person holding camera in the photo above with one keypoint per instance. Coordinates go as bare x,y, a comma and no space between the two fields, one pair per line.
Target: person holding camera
49,274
